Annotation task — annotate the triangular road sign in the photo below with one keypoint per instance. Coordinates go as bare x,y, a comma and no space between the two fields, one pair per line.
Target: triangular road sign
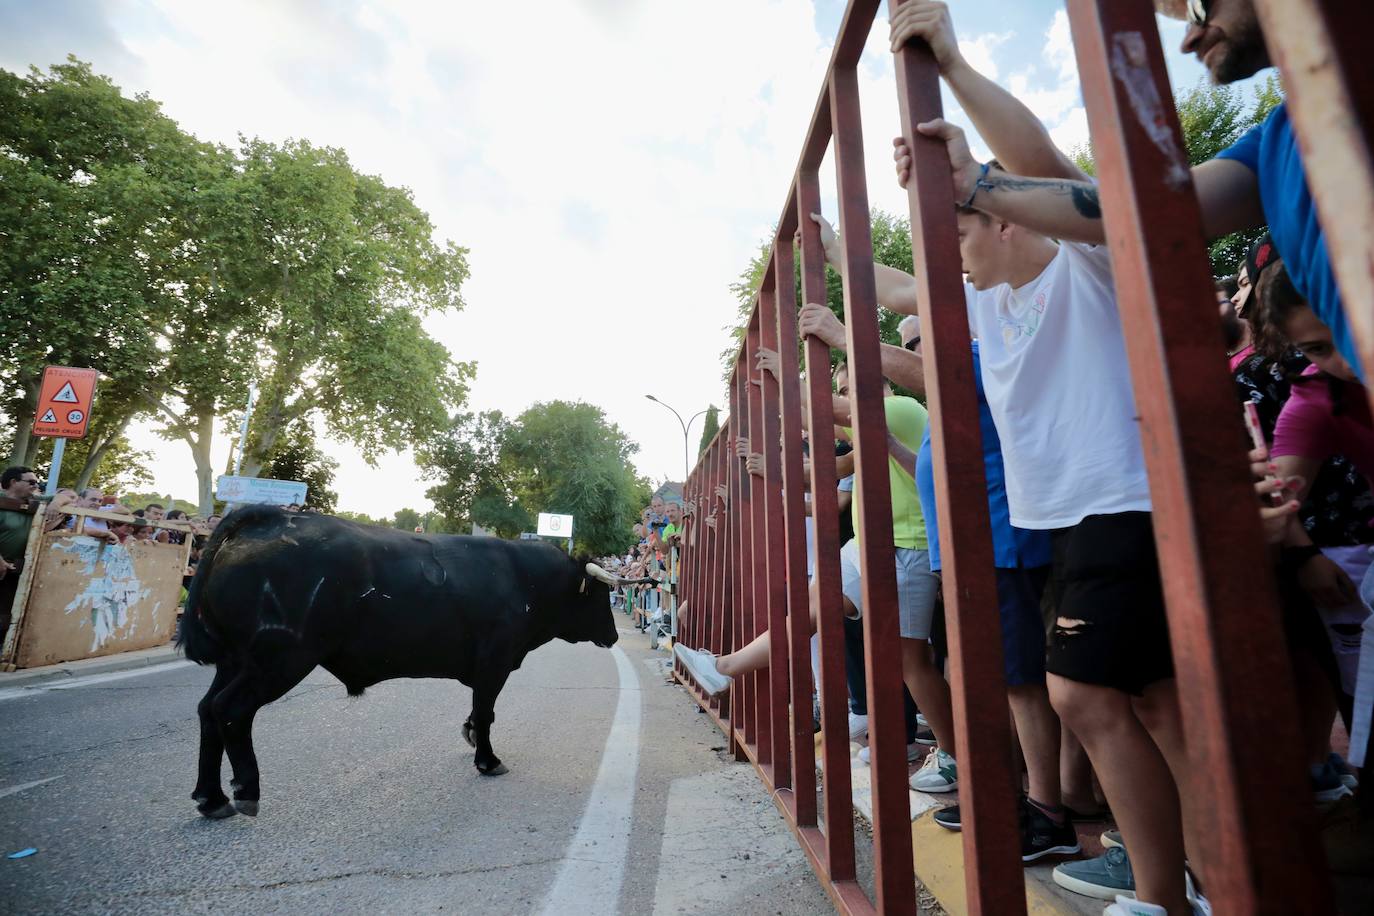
49,417
66,395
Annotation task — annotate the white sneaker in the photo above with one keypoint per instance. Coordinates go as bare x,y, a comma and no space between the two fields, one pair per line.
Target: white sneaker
702,667
938,774
1125,906
912,752
858,726
1129,906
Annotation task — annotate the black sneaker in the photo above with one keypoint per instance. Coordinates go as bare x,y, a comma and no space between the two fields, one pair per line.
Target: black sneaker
925,736
1042,837
948,818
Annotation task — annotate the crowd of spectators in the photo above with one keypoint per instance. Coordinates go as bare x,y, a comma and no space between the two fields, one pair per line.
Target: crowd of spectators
651,556
1085,637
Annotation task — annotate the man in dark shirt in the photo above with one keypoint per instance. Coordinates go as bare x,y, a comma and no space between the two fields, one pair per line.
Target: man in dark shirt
19,484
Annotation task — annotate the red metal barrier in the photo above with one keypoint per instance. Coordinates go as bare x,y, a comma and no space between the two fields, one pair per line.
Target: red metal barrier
746,568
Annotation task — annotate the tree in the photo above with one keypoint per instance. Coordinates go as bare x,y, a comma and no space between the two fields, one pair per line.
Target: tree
891,246
363,519
1212,118
90,181
296,456
120,469
559,457
709,428
407,520
349,267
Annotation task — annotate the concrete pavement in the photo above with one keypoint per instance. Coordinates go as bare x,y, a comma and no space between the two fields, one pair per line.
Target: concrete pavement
372,805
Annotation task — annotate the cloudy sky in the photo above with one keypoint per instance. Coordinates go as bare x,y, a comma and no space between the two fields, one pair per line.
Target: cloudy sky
610,164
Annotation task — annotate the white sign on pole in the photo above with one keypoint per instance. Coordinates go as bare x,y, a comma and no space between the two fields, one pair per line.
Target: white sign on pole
555,526
256,490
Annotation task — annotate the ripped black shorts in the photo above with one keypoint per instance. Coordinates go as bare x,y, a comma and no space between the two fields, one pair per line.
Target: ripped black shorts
1110,628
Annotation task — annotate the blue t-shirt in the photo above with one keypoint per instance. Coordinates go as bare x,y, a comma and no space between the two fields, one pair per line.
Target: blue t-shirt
1011,547
1270,150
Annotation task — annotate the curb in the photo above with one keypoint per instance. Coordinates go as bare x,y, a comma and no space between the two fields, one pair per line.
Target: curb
140,658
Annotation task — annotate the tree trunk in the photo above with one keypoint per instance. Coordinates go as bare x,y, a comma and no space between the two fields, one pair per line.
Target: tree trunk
22,446
200,452
97,454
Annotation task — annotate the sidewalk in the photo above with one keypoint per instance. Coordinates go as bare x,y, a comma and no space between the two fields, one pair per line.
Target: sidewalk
139,658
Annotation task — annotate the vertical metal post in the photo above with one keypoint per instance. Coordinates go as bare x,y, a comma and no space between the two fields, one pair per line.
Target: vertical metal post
1234,684
795,598
742,693
59,448
837,787
758,528
992,849
882,645
769,445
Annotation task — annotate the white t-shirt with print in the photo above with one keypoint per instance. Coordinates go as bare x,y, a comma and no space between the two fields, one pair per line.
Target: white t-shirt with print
1059,387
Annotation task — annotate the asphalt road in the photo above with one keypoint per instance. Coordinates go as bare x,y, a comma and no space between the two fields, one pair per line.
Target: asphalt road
372,805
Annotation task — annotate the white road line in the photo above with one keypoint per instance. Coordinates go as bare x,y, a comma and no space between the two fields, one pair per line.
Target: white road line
14,790
595,861
90,680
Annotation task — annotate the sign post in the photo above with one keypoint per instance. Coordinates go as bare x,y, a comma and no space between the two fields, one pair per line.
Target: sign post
63,412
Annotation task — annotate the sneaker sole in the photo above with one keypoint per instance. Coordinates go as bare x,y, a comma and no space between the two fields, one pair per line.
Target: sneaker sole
926,742
1053,851
953,787
952,828
1096,891
1109,842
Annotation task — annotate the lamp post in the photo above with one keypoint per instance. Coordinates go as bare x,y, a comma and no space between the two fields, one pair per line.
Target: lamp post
686,468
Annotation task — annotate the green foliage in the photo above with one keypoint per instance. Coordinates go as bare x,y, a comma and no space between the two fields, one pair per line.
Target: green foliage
143,499
407,519
183,271
559,456
296,456
121,469
891,246
709,428
363,519
1212,118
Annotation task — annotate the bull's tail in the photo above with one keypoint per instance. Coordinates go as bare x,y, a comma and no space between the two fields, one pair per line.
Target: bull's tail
199,644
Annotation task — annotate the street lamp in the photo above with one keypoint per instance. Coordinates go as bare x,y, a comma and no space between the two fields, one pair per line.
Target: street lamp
686,468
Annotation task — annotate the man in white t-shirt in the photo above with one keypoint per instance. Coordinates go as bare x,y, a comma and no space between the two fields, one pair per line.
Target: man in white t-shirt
1058,385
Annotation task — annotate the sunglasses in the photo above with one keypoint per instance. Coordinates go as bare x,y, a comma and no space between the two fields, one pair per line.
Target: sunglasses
33,480
1197,12
913,343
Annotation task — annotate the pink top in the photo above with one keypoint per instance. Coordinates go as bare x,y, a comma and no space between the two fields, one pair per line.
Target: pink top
1309,428
1241,355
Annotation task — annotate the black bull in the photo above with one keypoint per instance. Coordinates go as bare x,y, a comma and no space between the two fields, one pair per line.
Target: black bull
277,593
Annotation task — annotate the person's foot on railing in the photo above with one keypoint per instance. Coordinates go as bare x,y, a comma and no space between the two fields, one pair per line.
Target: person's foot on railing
937,774
702,667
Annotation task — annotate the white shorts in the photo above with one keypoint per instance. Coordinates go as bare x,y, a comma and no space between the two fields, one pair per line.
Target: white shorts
917,587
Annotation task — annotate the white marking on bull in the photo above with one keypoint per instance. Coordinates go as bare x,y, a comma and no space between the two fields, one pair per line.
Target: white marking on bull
368,592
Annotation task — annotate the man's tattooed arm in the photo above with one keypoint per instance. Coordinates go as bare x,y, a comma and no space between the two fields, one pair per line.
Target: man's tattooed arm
1056,207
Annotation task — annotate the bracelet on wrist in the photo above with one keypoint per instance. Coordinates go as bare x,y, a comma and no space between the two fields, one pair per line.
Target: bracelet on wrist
977,183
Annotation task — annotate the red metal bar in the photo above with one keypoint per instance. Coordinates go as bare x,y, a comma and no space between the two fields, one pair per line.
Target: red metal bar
794,524
1321,48
992,849
745,719
769,446
837,787
1234,684
887,732
758,527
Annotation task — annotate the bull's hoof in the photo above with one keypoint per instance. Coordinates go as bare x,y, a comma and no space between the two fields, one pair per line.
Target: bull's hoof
217,813
467,734
246,806
499,770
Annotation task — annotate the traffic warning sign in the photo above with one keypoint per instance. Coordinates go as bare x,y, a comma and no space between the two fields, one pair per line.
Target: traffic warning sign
64,402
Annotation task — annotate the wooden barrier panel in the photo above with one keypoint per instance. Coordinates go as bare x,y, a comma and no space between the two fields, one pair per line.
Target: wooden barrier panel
86,596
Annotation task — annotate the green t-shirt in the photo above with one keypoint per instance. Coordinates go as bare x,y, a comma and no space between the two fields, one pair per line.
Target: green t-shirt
906,420
14,534
668,531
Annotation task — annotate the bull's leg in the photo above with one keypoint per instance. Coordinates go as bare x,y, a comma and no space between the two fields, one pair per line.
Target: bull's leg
477,729
209,797
234,709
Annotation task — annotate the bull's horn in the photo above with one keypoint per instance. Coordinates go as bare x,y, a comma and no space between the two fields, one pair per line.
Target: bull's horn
596,572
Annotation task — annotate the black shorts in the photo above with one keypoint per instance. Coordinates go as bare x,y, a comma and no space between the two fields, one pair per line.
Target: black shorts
1106,581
